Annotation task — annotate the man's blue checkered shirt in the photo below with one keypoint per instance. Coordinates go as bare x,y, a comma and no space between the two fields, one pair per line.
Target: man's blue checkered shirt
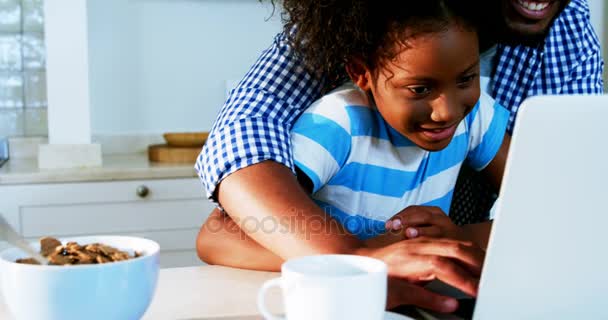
255,122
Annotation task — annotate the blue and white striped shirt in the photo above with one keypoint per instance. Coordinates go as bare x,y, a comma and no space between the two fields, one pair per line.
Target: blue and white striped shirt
364,171
254,123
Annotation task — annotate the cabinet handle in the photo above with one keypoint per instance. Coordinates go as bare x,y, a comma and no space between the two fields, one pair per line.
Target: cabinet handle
142,191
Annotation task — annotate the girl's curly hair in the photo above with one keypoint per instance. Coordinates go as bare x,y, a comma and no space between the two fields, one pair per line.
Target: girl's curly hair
326,34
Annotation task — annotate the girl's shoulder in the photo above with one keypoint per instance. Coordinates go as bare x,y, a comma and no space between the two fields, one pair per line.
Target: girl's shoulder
344,96
338,105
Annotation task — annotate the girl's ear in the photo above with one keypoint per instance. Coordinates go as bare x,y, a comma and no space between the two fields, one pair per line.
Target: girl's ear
359,74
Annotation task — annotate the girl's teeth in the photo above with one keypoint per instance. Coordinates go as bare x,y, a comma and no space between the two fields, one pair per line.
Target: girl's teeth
534,6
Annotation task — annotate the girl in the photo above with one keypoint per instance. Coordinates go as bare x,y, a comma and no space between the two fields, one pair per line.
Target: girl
398,136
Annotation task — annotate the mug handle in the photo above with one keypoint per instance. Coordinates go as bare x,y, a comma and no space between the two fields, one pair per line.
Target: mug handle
262,299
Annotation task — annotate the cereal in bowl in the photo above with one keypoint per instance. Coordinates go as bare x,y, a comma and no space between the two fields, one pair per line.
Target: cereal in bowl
73,253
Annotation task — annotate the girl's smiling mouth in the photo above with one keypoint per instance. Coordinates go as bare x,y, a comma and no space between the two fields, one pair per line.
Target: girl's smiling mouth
439,134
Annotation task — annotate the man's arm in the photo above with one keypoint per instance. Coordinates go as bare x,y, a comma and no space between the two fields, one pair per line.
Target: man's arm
257,191
220,241
587,72
267,202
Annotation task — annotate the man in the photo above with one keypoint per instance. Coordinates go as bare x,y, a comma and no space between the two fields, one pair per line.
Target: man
558,54
544,47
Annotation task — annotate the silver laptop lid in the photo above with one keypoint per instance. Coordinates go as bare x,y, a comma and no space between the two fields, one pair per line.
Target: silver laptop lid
548,256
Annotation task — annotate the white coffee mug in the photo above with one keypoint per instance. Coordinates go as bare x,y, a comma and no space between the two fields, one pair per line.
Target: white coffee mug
330,287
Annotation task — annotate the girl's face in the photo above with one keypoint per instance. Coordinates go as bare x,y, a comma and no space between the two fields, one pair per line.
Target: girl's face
429,87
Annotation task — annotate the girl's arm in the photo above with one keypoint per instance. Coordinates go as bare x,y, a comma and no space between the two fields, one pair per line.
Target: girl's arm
495,169
480,232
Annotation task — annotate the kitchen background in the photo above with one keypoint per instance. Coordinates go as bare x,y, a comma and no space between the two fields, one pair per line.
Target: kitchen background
155,65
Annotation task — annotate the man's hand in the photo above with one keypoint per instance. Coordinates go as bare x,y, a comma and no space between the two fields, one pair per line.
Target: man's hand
414,262
424,221
401,292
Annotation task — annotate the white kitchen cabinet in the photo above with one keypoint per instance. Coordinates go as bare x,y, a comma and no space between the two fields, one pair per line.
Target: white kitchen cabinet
169,211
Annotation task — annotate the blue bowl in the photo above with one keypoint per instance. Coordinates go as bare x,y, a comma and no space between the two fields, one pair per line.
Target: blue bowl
116,290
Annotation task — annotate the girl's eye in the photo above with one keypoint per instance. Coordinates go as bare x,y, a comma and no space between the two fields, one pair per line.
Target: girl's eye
419,90
467,79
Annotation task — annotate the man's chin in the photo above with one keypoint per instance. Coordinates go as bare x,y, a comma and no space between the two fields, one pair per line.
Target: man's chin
531,30
526,33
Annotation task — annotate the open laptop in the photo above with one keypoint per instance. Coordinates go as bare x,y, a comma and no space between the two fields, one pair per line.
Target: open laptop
548,252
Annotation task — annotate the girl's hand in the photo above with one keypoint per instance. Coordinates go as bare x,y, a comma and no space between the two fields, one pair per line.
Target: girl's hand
424,221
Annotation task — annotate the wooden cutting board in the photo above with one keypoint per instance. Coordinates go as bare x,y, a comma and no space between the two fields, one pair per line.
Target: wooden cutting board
170,154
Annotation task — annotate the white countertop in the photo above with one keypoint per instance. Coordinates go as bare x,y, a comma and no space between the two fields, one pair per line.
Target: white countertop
216,293
115,167
206,292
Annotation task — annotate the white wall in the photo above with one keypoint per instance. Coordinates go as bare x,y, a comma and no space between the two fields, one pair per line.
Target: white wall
162,65
599,14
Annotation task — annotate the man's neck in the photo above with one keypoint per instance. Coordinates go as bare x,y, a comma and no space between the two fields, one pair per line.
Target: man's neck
485,45
512,39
